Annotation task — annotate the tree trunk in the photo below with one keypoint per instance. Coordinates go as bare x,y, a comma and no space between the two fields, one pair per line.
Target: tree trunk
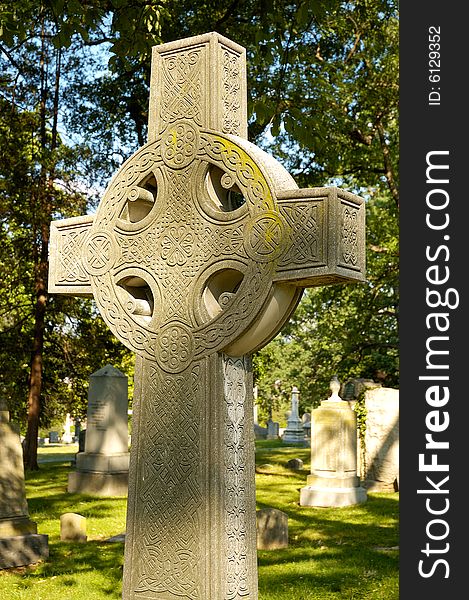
35,375
34,385
41,260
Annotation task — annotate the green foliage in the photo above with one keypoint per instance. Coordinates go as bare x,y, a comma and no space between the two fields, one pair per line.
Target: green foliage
40,180
361,412
322,97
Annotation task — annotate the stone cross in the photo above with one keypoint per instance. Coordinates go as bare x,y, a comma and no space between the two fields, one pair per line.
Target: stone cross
198,253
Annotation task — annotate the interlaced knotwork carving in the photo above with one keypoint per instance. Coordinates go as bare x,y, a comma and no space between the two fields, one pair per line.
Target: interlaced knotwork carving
175,347
170,469
243,310
302,220
232,158
138,250
231,93
70,248
265,237
182,87
134,171
181,242
350,235
236,524
177,245
179,145
176,305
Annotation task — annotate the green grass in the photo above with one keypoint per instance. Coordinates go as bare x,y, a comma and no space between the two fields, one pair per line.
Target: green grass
347,553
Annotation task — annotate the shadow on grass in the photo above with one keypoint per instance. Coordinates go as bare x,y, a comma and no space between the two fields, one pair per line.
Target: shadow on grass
345,553
334,553
374,523
101,564
48,487
329,573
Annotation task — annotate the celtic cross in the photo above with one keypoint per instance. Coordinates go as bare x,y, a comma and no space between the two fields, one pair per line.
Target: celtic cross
198,254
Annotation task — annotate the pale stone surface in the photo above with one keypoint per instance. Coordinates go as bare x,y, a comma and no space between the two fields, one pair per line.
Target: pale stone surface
73,527
106,417
272,529
323,496
20,544
272,430
67,436
102,469
333,480
379,450
294,433
381,447
260,433
23,550
98,484
198,254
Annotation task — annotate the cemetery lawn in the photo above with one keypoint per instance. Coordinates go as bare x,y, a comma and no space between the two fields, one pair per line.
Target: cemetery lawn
346,553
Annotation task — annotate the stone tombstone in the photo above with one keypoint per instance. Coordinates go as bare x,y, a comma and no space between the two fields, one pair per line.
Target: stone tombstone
296,464
352,389
294,432
198,253
306,420
272,529
260,433
103,468
333,480
81,440
76,435
380,462
20,544
67,436
53,437
73,527
273,429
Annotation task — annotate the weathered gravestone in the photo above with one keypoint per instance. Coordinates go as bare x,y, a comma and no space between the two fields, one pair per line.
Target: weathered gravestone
333,480
102,469
53,437
380,447
197,255
295,463
20,544
72,528
294,432
67,437
306,421
273,429
272,529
